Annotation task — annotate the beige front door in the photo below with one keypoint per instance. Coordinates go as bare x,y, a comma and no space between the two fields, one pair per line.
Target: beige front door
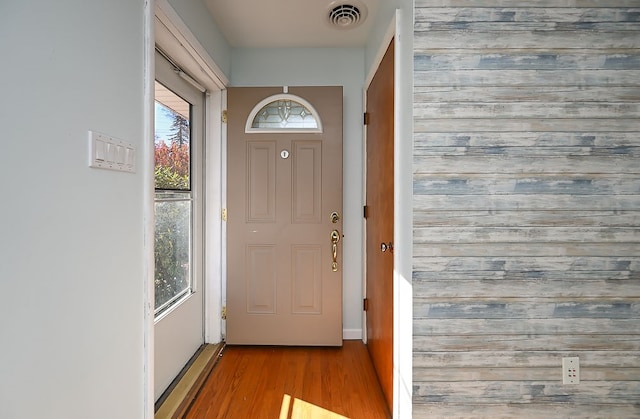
284,271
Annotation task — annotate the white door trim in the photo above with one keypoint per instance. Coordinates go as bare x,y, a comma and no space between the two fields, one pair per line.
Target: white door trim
215,227
403,219
147,152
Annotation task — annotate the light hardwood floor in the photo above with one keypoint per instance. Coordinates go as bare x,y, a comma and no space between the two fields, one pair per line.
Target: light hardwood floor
291,382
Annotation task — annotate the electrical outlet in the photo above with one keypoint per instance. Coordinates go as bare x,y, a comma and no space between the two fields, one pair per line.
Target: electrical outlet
571,370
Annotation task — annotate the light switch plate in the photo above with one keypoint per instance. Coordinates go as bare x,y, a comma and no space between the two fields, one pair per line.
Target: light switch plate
111,153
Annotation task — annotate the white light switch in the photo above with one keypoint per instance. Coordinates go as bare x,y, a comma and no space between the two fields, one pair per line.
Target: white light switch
106,152
120,154
111,152
129,156
99,150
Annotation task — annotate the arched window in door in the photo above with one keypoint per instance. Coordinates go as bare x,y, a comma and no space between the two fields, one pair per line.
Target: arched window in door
283,113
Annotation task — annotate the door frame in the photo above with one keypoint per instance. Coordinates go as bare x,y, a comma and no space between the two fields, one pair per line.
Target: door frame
176,327
175,38
216,81
279,228
164,27
403,218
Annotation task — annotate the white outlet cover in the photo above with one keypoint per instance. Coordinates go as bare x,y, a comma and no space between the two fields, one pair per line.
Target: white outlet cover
571,370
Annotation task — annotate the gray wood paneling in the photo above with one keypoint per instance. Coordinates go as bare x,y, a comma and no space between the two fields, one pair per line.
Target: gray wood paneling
538,410
526,207
515,391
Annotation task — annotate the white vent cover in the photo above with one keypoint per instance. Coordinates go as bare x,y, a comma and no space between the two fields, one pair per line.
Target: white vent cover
346,16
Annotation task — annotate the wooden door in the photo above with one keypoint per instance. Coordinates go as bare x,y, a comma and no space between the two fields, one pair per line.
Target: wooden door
282,285
379,222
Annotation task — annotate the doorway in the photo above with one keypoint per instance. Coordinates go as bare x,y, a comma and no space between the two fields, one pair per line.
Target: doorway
284,226
380,221
178,241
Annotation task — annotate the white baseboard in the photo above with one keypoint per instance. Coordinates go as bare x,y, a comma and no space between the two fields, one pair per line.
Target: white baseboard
351,334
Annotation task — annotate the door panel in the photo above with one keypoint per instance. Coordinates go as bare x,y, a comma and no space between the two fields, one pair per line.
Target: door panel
379,230
307,181
261,279
179,332
306,281
281,289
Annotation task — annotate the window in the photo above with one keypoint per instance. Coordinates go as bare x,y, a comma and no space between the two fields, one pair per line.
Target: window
173,199
283,113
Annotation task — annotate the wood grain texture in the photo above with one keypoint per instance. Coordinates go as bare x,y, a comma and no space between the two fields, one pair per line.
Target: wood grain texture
253,382
529,411
526,207
379,221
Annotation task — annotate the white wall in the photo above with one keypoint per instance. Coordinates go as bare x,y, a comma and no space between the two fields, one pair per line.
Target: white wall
71,271
318,67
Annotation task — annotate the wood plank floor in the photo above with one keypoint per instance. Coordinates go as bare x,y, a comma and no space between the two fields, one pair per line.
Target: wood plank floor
292,382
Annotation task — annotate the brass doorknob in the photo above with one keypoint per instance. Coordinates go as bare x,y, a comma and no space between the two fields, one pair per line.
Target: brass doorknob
335,238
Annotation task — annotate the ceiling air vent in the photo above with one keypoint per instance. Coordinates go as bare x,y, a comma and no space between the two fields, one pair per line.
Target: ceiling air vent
346,16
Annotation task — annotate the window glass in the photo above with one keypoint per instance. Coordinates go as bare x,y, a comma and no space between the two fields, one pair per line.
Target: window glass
172,141
284,114
173,199
172,249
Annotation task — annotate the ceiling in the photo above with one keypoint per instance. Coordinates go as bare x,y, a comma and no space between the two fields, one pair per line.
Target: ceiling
289,23
172,101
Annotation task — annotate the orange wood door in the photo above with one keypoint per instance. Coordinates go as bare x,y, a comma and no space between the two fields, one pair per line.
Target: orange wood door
282,188
379,222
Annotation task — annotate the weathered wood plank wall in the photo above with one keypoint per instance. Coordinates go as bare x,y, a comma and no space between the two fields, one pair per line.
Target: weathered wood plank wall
526,207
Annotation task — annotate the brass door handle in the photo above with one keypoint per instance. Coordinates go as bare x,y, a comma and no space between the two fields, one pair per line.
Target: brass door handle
335,238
